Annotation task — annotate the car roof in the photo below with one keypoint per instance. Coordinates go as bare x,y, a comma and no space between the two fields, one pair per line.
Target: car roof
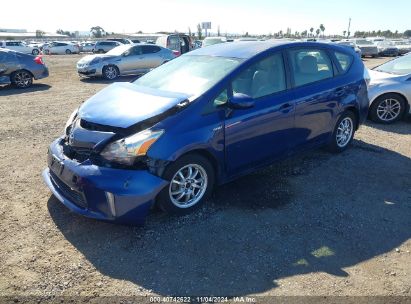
248,49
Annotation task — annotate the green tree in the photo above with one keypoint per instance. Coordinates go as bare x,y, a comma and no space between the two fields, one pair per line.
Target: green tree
322,28
97,31
318,32
407,33
344,33
199,32
311,31
39,33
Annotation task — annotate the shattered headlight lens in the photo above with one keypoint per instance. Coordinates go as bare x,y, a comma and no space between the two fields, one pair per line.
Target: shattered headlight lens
126,150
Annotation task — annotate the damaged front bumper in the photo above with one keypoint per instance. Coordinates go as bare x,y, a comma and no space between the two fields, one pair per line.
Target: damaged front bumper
102,193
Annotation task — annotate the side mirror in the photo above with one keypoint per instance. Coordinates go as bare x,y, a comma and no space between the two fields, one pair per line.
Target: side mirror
240,101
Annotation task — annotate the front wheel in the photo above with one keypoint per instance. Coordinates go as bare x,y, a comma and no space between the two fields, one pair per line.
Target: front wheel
22,79
110,72
35,52
343,133
191,182
387,108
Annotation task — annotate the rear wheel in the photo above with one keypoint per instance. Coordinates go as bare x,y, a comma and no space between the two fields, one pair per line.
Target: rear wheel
387,108
343,132
35,52
191,182
110,72
68,52
22,79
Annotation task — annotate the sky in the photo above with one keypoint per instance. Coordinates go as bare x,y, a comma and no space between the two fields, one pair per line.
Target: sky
232,16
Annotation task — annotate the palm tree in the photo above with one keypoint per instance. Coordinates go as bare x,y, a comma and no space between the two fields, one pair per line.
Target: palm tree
344,33
311,30
317,32
322,28
97,31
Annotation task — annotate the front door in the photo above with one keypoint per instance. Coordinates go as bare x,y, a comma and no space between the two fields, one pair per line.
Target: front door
258,135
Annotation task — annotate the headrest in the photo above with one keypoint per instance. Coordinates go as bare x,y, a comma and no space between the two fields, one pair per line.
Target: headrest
309,65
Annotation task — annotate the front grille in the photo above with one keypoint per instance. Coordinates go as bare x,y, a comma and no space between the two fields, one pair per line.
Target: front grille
72,195
76,153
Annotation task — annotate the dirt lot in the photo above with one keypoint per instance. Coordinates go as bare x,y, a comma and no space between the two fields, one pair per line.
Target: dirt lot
317,224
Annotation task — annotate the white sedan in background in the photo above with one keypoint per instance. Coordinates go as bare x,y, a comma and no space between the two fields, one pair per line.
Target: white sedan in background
390,90
19,46
57,47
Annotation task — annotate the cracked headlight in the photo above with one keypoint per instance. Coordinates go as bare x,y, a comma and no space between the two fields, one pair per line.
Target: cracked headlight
126,150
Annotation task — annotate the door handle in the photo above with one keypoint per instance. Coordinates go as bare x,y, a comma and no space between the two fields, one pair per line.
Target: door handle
285,107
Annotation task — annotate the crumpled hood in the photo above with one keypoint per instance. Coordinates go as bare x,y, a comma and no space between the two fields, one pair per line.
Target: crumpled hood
124,104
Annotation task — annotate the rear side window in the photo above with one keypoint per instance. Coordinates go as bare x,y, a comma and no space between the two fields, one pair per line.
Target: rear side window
310,65
150,49
345,60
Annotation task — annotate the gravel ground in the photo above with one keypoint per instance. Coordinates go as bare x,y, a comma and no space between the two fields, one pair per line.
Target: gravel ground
316,224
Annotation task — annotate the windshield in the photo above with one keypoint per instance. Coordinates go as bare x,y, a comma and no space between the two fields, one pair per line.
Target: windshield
363,42
117,51
399,66
192,75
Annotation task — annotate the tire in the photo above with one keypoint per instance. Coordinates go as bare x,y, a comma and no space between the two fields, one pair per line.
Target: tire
47,52
35,52
343,133
196,189
22,79
111,72
68,52
387,108
100,51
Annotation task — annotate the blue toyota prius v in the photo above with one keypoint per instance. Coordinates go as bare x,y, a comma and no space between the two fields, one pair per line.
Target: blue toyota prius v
203,119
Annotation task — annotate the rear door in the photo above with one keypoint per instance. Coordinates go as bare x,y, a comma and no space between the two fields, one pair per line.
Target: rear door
151,56
8,64
131,61
174,43
316,98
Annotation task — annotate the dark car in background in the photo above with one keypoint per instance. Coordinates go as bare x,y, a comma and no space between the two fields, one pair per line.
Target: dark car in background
201,120
20,69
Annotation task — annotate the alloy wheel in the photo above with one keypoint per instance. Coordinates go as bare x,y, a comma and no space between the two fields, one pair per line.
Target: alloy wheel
389,109
188,186
344,132
110,72
22,79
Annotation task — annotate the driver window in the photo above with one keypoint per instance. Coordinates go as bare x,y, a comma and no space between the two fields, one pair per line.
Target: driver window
262,78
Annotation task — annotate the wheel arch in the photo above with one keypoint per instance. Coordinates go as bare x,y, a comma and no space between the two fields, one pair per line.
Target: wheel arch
12,74
390,92
402,95
356,113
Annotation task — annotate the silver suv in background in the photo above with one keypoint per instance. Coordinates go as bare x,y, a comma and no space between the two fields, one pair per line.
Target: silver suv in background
368,48
105,46
129,59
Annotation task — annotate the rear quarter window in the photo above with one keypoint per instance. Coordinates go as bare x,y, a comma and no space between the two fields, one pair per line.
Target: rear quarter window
344,60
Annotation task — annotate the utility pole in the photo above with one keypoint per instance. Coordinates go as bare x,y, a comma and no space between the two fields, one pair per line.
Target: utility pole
349,26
